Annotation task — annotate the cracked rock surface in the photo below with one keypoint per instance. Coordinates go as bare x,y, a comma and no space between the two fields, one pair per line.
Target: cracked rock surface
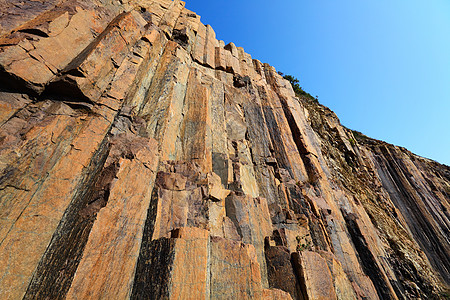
142,158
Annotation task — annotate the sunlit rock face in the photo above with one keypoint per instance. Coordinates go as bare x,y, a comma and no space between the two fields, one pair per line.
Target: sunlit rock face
142,158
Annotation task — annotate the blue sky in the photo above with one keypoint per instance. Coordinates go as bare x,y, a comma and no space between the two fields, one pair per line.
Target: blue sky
383,66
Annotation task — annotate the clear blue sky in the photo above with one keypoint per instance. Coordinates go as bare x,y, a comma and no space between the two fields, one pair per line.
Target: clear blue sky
382,65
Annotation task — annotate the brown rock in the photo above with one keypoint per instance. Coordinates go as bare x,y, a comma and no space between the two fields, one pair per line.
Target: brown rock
142,158
110,256
215,188
182,265
46,201
195,130
234,270
190,274
91,74
48,55
280,271
316,277
221,59
233,65
172,181
185,29
342,286
210,47
198,51
246,63
170,17
252,220
275,294
10,103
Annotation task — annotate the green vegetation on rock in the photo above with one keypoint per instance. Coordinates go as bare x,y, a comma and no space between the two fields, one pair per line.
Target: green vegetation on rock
297,88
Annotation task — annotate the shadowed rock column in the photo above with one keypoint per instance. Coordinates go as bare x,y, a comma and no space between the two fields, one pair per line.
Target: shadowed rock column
108,264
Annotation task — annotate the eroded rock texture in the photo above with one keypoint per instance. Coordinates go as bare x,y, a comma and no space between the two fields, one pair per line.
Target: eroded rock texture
142,158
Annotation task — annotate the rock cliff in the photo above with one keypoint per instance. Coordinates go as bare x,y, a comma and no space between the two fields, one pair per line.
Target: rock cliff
142,158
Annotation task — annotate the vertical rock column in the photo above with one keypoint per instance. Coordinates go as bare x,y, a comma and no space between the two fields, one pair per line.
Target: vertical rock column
175,267
109,260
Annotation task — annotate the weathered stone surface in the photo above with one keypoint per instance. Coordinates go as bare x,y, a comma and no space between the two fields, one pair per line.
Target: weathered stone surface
232,59
14,13
190,275
235,271
215,189
90,72
246,63
112,244
142,158
210,47
316,277
10,103
196,128
171,15
48,198
42,58
342,285
280,272
221,59
185,29
252,220
275,294
198,51
153,272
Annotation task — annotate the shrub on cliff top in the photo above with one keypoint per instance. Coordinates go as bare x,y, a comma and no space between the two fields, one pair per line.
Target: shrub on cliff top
296,86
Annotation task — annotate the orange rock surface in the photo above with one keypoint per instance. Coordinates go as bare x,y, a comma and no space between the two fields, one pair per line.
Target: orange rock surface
142,158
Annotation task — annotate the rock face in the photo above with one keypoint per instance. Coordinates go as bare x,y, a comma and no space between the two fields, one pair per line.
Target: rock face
142,158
